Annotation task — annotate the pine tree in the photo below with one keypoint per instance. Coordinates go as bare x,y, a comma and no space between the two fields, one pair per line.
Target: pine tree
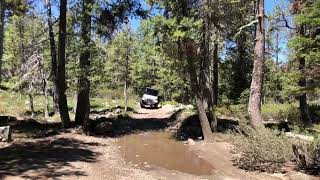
83,102
60,73
254,107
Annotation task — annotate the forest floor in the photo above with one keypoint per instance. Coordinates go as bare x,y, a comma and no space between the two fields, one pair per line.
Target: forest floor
72,155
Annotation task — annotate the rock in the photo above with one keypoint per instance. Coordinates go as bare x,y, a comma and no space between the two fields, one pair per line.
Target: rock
103,127
191,142
109,115
189,107
117,111
5,134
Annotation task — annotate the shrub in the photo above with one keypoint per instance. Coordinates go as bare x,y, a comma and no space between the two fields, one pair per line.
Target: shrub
244,97
313,154
174,103
280,112
262,149
237,111
308,155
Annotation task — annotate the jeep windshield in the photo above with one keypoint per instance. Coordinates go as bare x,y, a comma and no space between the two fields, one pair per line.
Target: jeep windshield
151,92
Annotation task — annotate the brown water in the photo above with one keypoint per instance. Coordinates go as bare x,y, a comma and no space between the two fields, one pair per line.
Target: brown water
157,149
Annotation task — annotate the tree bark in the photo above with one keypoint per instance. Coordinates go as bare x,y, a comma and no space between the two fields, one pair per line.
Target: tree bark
53,57
205,70
204,121
277,48
303,104
75,100
214,90
61,74
2,16
83,103
215,74
254,108
31,105
205,67
46,96
126,79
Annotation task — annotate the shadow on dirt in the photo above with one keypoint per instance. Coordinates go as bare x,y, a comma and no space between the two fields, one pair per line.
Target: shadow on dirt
125,125
45,158
191,128
29,128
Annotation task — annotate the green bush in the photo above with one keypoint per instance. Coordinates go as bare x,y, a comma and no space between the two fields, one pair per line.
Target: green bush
280,112
262,150
112,93
244,97
237,111
174,103
311,152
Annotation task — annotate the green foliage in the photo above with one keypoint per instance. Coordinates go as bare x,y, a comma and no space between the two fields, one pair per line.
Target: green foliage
244,97
236,111
280,112
262,150
307,44
311,151
169,102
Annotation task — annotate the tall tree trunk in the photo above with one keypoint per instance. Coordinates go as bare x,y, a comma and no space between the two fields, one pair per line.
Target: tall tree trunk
215,74
204,121
303,105
277,48
214,90
205,67
83,103
53,57
2,11
205,71
46,96
31,105
254,108
61,74
45,87
126,79
75,100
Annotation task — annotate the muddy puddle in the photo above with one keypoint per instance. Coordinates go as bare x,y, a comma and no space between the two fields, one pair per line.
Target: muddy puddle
157,149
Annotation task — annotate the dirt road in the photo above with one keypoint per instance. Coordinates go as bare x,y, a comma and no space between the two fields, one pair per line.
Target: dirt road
72,155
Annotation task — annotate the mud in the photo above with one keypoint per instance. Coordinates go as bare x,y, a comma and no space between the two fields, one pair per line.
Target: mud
157,149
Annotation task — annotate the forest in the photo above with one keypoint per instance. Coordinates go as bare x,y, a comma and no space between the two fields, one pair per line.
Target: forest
238,81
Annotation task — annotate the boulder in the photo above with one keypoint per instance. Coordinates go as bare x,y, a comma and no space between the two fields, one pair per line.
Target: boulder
5,133
191,142
117,111
189,107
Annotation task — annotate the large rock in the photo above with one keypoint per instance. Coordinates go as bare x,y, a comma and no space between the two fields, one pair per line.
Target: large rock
5,133
191,142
